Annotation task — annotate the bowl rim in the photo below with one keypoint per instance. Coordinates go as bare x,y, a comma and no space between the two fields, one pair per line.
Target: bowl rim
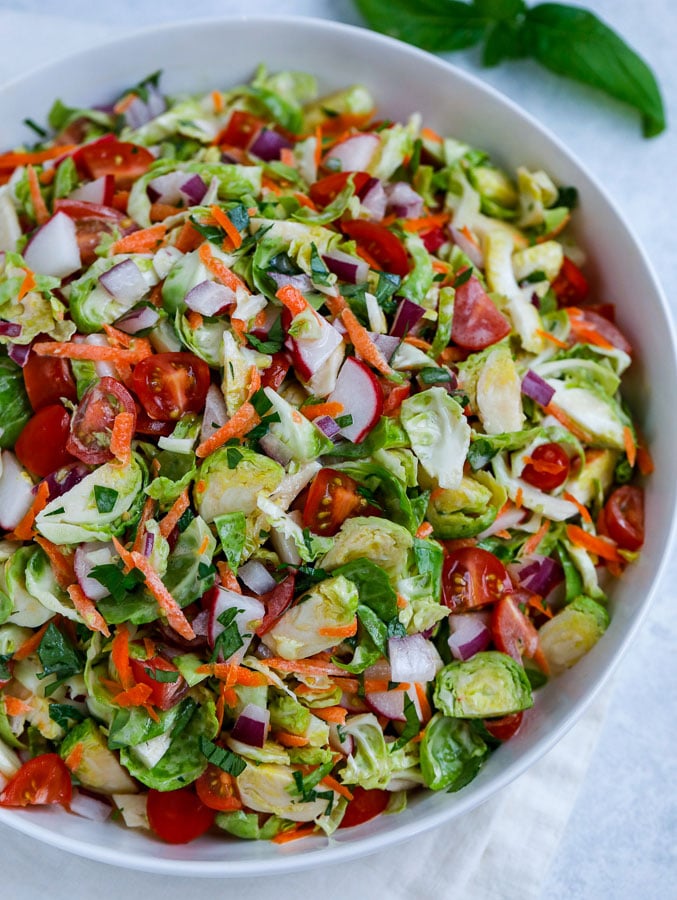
334,852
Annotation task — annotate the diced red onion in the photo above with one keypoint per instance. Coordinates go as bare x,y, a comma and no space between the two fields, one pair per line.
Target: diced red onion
172,187
16,492
215,414
345,746
200,623
404,201
155,100
209,298
413,658
373,199
434,239
268,144
273,447
387,703
140,112
93,808
301,281
468,634
124,282
407,316
18,353
64,479
53,249
194,189
348,268
10,329
355,153
537,388
148,543
256,577
386,343
327,426
470,248
87,556
540,574
137,320
252,725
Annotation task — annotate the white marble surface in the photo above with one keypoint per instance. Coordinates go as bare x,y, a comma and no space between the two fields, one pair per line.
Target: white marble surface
621,839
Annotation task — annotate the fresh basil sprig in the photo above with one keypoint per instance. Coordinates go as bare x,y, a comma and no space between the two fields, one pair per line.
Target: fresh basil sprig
568,40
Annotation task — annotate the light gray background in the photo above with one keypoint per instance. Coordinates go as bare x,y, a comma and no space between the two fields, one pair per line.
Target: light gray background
622,836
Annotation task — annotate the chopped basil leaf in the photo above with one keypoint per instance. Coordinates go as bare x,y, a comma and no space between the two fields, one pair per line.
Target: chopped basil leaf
105,498
222,758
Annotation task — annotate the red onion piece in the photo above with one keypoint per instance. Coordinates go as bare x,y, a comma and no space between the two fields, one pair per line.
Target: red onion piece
540,575
327,426
53,249
345,746
215,414
348,268
413,658
148,543
373,199
18,353
537,388
194,189
10,329
124,282
61,481
355,153
470,248
137,320
268,144
256,577
407,316
469,634
16,492
209,297
386,343
301,281
404,201
93,808
173,187
252,725
87,556
387,703
274,448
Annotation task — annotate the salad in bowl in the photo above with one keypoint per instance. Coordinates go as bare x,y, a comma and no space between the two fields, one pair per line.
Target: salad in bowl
315,464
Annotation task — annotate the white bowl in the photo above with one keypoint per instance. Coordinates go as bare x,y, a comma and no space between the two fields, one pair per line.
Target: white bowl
199,56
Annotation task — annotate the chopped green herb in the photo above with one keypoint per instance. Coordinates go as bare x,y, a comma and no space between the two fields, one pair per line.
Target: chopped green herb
223,758
105,498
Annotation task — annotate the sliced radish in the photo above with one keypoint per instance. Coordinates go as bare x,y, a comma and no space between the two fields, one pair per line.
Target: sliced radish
387,703
124,282
250,612
345,746
53,249
87,557
355,153
215,414
413,659
310,354
359,392
16,491
99,191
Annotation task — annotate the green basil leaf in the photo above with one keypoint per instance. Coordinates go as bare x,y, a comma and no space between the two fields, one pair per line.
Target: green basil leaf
436,25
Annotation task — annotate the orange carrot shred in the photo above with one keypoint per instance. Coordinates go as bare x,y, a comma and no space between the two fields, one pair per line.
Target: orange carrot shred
139,695
547,336
178,508
519,496
16,707
237,426
314,410
166,602
121,437
12,160
429,135
425,529
194,319
339,631
331,714
119,654
531,544
630,445
139,350
224,220
74,758
228,579
363,344
318,145
426,711
30,645
90,614
217,101
290,740
141,241
645,462
26,285
568,423
601,546
583,510
38,201
146,514
161,211
334,785
284,837
423,223
417,342
292,298
189,238
61,562
304,666
219,269
115,336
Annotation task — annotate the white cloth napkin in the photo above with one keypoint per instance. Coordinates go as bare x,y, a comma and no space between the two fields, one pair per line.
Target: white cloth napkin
500,851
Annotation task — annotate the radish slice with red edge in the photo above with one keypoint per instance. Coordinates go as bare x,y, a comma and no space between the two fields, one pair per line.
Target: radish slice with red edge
359,392
387,703
310,354
53,249
355,153
250,612
99,191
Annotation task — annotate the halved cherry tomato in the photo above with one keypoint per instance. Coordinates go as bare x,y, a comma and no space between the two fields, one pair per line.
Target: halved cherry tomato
624,517
513,633
240,130
380,243
109,156
92,222
476,323
504,728
473,577
570,285
276,372
216,789
365,805
146,425
40,781
42,445
549,467
325,190
178,816
92,422
333,498
171,384
276,602
48,380
163,677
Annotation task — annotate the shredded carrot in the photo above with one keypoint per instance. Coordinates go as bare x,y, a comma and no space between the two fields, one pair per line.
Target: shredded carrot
74,758
24,530
424,530
254,382
237,426
217,101
531,544
26,285
124,103
166,602
140,348
429,135
601,546
331,714
16,707
12,160
314,410
121,437
146,514
142,241
630,445
284,837
318,145
418,738
189,238
334,785
569,424
292,298
645,462
90,614
417,342
547,336
380,685
117,337
287,157
38,201
120,200
305,200
178,508
290,740
30,645
426,711
149,647
504,533
583,510
363,344
228,579
119,654
436,220
139,695
219,269
519,497
537,603
161,211
224,220
304,666
61,562
194,319
340,631
402,602
233,674
584,331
